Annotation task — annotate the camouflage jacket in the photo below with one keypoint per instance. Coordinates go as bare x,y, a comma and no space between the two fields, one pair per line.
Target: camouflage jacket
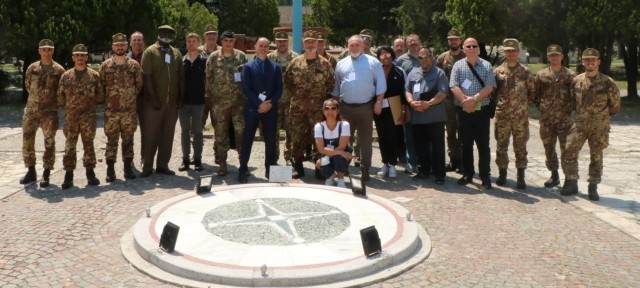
553,97
445,62
309,83
331,59
514,90
220,73
122,84
203,51
273,56
80,97
42,86
594,97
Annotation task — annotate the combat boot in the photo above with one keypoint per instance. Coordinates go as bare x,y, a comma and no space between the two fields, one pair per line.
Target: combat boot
197,165
111,171
502,177
128,169
570,187
68,180
31,176
45,178
298,169
593,192
521,184
554,180
222,170
91,177
185,165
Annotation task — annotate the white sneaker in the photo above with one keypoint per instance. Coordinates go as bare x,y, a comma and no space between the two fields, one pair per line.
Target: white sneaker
329,182
341,183
384,171
392,171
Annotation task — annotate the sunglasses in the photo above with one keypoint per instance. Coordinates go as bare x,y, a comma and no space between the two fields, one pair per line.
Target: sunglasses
424,57
332,108
471,46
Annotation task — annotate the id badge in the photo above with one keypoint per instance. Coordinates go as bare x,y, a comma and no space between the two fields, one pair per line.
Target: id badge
416,88
262,97
466,84
167,58
385,103
237,77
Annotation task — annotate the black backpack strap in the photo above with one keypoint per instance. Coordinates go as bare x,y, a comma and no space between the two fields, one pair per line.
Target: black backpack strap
475,73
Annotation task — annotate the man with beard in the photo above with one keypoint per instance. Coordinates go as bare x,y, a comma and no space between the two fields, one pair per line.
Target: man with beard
399,46
121,78
367,40
136,41
282,56
445,62
164,86
322,45
596,98
360,84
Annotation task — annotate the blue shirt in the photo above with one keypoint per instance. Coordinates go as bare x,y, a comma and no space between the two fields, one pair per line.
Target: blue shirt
359,81
461,73
420,81
408,62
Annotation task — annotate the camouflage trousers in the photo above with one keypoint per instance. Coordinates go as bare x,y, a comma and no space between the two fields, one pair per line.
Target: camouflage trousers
116,125
552,132
48,121
283,117
81,126
598,138
140,112
301,125
504,128
454,146
223,115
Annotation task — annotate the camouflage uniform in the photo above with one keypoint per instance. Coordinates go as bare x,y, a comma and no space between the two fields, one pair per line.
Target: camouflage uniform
283,104
515,87
122,84
309,83
41,81
332,60
227,98
445,62
593,98
207,110
556,105
80,96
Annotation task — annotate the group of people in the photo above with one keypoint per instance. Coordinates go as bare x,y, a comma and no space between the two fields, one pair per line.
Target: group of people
320,102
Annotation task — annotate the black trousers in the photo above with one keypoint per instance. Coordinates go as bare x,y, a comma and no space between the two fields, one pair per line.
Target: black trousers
389,137
475,127
428,140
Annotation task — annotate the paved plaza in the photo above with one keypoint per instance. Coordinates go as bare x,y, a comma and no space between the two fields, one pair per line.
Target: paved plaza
496,238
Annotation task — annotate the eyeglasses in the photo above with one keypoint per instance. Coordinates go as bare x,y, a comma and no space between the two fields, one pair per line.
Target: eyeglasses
332,108
471,46
424,57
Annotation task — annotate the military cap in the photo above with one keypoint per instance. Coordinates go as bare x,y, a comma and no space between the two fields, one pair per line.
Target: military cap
590,53
166,27
554,49
321,36
228,34
119,38
310,35
454,33
79,49
282,36
510,44
210,29
45,43
368,33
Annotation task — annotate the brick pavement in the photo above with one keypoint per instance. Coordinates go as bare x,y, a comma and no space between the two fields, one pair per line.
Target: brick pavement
495,238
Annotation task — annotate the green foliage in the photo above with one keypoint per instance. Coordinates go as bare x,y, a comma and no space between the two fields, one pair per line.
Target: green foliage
425,18
185,19
249,17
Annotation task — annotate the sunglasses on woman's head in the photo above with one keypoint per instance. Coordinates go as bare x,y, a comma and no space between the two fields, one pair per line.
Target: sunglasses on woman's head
332,108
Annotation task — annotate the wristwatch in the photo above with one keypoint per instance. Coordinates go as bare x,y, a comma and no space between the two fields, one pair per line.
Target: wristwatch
379,101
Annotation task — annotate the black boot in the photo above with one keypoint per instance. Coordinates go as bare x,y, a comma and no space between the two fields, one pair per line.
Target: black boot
502,178
45,178
298,169
31,176
91,177
184,166
453,165
593,192
570,187
197,165
128,169
554,180
68,180
521,184
111,171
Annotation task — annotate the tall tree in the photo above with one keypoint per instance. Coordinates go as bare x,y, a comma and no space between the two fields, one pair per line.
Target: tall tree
250,17
425,18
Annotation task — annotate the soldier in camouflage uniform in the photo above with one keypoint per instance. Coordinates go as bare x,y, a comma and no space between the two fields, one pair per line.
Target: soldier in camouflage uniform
121,78
224,87
283,55
515,87
367,40
445,62
41,81
322,44
555,104
310,79
596,98
210,45
79,93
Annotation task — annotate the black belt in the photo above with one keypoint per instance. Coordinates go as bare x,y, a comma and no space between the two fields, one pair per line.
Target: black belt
357,104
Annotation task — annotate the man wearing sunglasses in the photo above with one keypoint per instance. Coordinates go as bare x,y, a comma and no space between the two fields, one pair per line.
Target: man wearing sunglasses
472,101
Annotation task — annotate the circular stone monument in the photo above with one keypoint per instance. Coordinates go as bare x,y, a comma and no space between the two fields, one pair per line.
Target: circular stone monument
275,235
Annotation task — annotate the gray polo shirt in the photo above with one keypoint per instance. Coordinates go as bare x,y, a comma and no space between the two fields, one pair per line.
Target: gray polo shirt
420,81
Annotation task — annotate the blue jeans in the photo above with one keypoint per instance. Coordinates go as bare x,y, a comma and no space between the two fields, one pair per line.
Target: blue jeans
191,121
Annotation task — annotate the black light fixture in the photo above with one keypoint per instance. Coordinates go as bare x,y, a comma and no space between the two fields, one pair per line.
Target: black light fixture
357,187
204,184
370,241
169,237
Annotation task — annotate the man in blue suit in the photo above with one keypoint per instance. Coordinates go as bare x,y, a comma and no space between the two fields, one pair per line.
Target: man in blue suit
262,86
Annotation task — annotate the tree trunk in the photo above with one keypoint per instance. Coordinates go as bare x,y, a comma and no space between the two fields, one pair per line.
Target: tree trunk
630,56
